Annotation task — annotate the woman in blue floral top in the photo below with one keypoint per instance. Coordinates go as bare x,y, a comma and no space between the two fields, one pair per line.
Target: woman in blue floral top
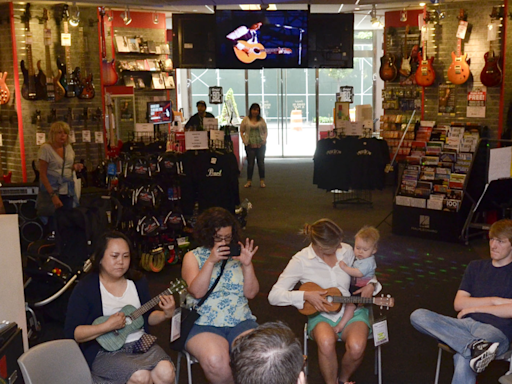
225,315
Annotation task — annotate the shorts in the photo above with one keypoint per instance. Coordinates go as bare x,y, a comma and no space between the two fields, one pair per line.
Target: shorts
229,333
360,314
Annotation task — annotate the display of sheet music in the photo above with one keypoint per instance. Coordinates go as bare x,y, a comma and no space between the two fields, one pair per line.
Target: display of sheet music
196,140
122,44
210,123
500,161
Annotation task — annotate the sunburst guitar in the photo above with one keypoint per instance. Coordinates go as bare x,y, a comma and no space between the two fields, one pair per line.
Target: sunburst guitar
5,94
257,51
336,299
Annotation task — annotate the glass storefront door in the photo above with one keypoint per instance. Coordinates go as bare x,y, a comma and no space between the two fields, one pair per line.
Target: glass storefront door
286,98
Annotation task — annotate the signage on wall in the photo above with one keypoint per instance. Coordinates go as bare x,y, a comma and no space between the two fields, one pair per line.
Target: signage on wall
476,102
40,138
346,94
215,95
71,136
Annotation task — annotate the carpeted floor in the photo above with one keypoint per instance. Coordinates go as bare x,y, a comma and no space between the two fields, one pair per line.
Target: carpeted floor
417,273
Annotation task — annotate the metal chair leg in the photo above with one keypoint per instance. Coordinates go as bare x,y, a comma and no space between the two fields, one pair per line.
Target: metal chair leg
438,367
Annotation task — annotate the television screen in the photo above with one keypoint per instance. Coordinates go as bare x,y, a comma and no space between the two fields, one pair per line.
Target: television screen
159,112
261,39
331,40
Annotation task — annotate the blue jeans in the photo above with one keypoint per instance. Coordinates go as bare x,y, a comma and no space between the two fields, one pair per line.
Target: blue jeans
458,334
252,155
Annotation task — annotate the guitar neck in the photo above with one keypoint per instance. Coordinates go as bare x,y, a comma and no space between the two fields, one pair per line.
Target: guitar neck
67,48
49,72
459,47
30,63
352,299
150,304
272,50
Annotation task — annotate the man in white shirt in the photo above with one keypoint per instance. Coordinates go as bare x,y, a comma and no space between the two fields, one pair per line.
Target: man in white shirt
249,35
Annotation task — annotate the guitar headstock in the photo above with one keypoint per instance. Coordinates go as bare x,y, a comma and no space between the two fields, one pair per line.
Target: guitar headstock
102,11
65,12
384,301
177,286
498,12
45,15
26,15
462,15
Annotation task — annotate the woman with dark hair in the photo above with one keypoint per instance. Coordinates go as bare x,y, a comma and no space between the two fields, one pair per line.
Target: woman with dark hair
253,130
319,263
225,314
112,284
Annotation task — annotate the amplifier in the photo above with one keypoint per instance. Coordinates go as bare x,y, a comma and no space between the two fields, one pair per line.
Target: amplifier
21,199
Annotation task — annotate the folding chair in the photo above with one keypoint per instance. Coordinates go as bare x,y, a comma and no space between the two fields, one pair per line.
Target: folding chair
378,355
505,379
190,360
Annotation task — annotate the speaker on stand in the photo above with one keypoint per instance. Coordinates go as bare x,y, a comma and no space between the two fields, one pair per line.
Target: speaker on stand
20,199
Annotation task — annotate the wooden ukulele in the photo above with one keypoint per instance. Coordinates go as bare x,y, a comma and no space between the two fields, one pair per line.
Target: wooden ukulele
336,299
68,80
87,90
458,72
425,74
491,75
108,69
114,340
28,90
257,51
5,93
405,66
54,90
388,70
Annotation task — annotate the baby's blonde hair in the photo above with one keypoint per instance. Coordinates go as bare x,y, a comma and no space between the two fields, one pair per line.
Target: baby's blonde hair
369,234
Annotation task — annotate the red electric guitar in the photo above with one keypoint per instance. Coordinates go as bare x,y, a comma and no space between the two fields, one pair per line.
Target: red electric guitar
5,93
108,69
425,74
491,75
458,72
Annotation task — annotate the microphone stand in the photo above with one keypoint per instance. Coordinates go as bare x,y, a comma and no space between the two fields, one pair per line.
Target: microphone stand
301,31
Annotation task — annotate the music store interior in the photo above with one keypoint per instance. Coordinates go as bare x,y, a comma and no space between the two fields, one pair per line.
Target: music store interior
389,114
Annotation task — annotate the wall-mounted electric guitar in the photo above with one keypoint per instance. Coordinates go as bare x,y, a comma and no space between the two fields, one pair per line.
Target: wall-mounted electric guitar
68,79
86,81
458,72
425,74
28,90
257,51
54,90
5,93
405,65
388,70
108,69
336,299
114,340
491,75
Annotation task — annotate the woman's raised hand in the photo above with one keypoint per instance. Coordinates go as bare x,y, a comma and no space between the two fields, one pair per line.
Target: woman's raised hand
247,252
167,305
219,253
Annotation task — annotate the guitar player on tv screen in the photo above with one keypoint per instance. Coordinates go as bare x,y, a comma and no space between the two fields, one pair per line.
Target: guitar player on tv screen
249,35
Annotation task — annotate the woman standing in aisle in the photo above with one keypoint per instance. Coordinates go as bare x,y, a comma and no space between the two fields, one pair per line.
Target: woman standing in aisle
225,314
56,166
254,136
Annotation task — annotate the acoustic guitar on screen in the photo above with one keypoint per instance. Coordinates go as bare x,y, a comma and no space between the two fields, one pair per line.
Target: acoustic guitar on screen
257,51
114,340
336,299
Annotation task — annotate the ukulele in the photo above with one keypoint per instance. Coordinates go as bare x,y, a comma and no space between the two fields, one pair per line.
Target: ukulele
257,51
425,74
405,66
54,90
336,299
491,75
388,70
114,340
5,93
458,72
68,80
86,82
108,69
28,90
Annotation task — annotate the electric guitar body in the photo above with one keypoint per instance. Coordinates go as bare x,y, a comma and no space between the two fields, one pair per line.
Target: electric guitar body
108,68
41,93
491,75
425,74
388,70
458,72
5,93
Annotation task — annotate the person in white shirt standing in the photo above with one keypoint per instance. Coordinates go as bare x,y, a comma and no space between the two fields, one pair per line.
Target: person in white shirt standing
319,263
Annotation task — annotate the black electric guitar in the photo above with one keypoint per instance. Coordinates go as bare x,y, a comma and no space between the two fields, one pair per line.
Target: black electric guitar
28,90
86,81
336,299
69,77
114,340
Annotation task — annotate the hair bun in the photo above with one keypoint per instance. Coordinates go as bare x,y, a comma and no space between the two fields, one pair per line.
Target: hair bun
307,229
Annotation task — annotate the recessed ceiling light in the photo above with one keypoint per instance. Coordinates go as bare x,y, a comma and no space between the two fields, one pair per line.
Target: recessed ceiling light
422,4
257,7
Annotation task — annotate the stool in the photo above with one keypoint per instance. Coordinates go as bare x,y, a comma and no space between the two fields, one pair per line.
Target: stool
190,360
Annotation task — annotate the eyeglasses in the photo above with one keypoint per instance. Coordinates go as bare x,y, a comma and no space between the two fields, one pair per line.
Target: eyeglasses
226,238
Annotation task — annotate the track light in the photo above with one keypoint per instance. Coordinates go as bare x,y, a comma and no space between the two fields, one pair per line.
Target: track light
126,16
376,24
110,14
75,19
403,16
155,18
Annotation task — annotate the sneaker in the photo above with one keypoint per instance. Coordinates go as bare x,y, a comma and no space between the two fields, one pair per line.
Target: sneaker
482,353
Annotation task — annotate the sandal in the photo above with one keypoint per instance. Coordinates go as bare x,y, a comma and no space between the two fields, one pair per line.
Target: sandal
248,184
262,184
